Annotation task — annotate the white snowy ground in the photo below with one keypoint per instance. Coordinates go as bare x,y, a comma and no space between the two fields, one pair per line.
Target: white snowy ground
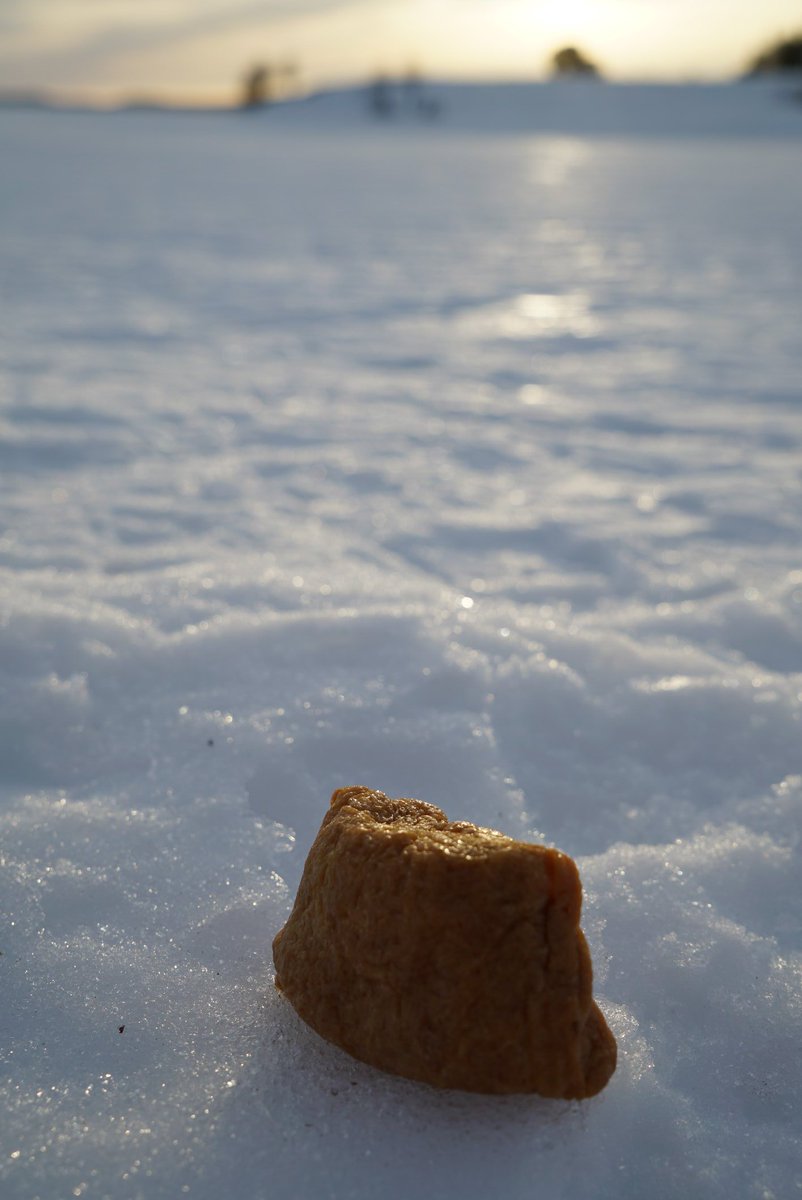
464,467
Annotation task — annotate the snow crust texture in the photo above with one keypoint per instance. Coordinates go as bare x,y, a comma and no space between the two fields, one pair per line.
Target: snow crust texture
459,467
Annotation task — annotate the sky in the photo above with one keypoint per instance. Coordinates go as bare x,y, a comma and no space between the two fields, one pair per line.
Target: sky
200,49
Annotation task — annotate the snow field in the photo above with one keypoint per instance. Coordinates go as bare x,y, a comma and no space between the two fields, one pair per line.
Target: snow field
464,468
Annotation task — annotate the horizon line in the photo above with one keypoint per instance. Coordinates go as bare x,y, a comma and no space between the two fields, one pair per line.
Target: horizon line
110,99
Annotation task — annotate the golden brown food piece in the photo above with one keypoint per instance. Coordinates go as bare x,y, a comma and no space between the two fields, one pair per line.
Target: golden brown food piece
444,952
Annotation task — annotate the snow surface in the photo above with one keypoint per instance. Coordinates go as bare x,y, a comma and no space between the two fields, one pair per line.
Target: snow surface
463,467
765,106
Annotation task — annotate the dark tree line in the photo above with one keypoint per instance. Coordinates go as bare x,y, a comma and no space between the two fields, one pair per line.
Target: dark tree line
266,82
570,61
784,55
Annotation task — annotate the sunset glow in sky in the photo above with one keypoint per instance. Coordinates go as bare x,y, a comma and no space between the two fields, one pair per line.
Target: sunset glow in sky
200,48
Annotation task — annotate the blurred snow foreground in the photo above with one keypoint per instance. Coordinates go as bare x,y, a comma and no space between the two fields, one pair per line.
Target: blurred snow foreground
465,468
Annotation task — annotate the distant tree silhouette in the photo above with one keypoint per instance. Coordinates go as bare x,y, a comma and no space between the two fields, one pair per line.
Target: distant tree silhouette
570,61
286,77
784,55
257,86
266,82
412,81
381,100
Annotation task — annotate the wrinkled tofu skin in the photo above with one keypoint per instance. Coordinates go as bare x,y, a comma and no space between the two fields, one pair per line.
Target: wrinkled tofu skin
444,952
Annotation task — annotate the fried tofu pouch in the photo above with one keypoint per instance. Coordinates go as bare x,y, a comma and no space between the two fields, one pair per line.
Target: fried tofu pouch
444,952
